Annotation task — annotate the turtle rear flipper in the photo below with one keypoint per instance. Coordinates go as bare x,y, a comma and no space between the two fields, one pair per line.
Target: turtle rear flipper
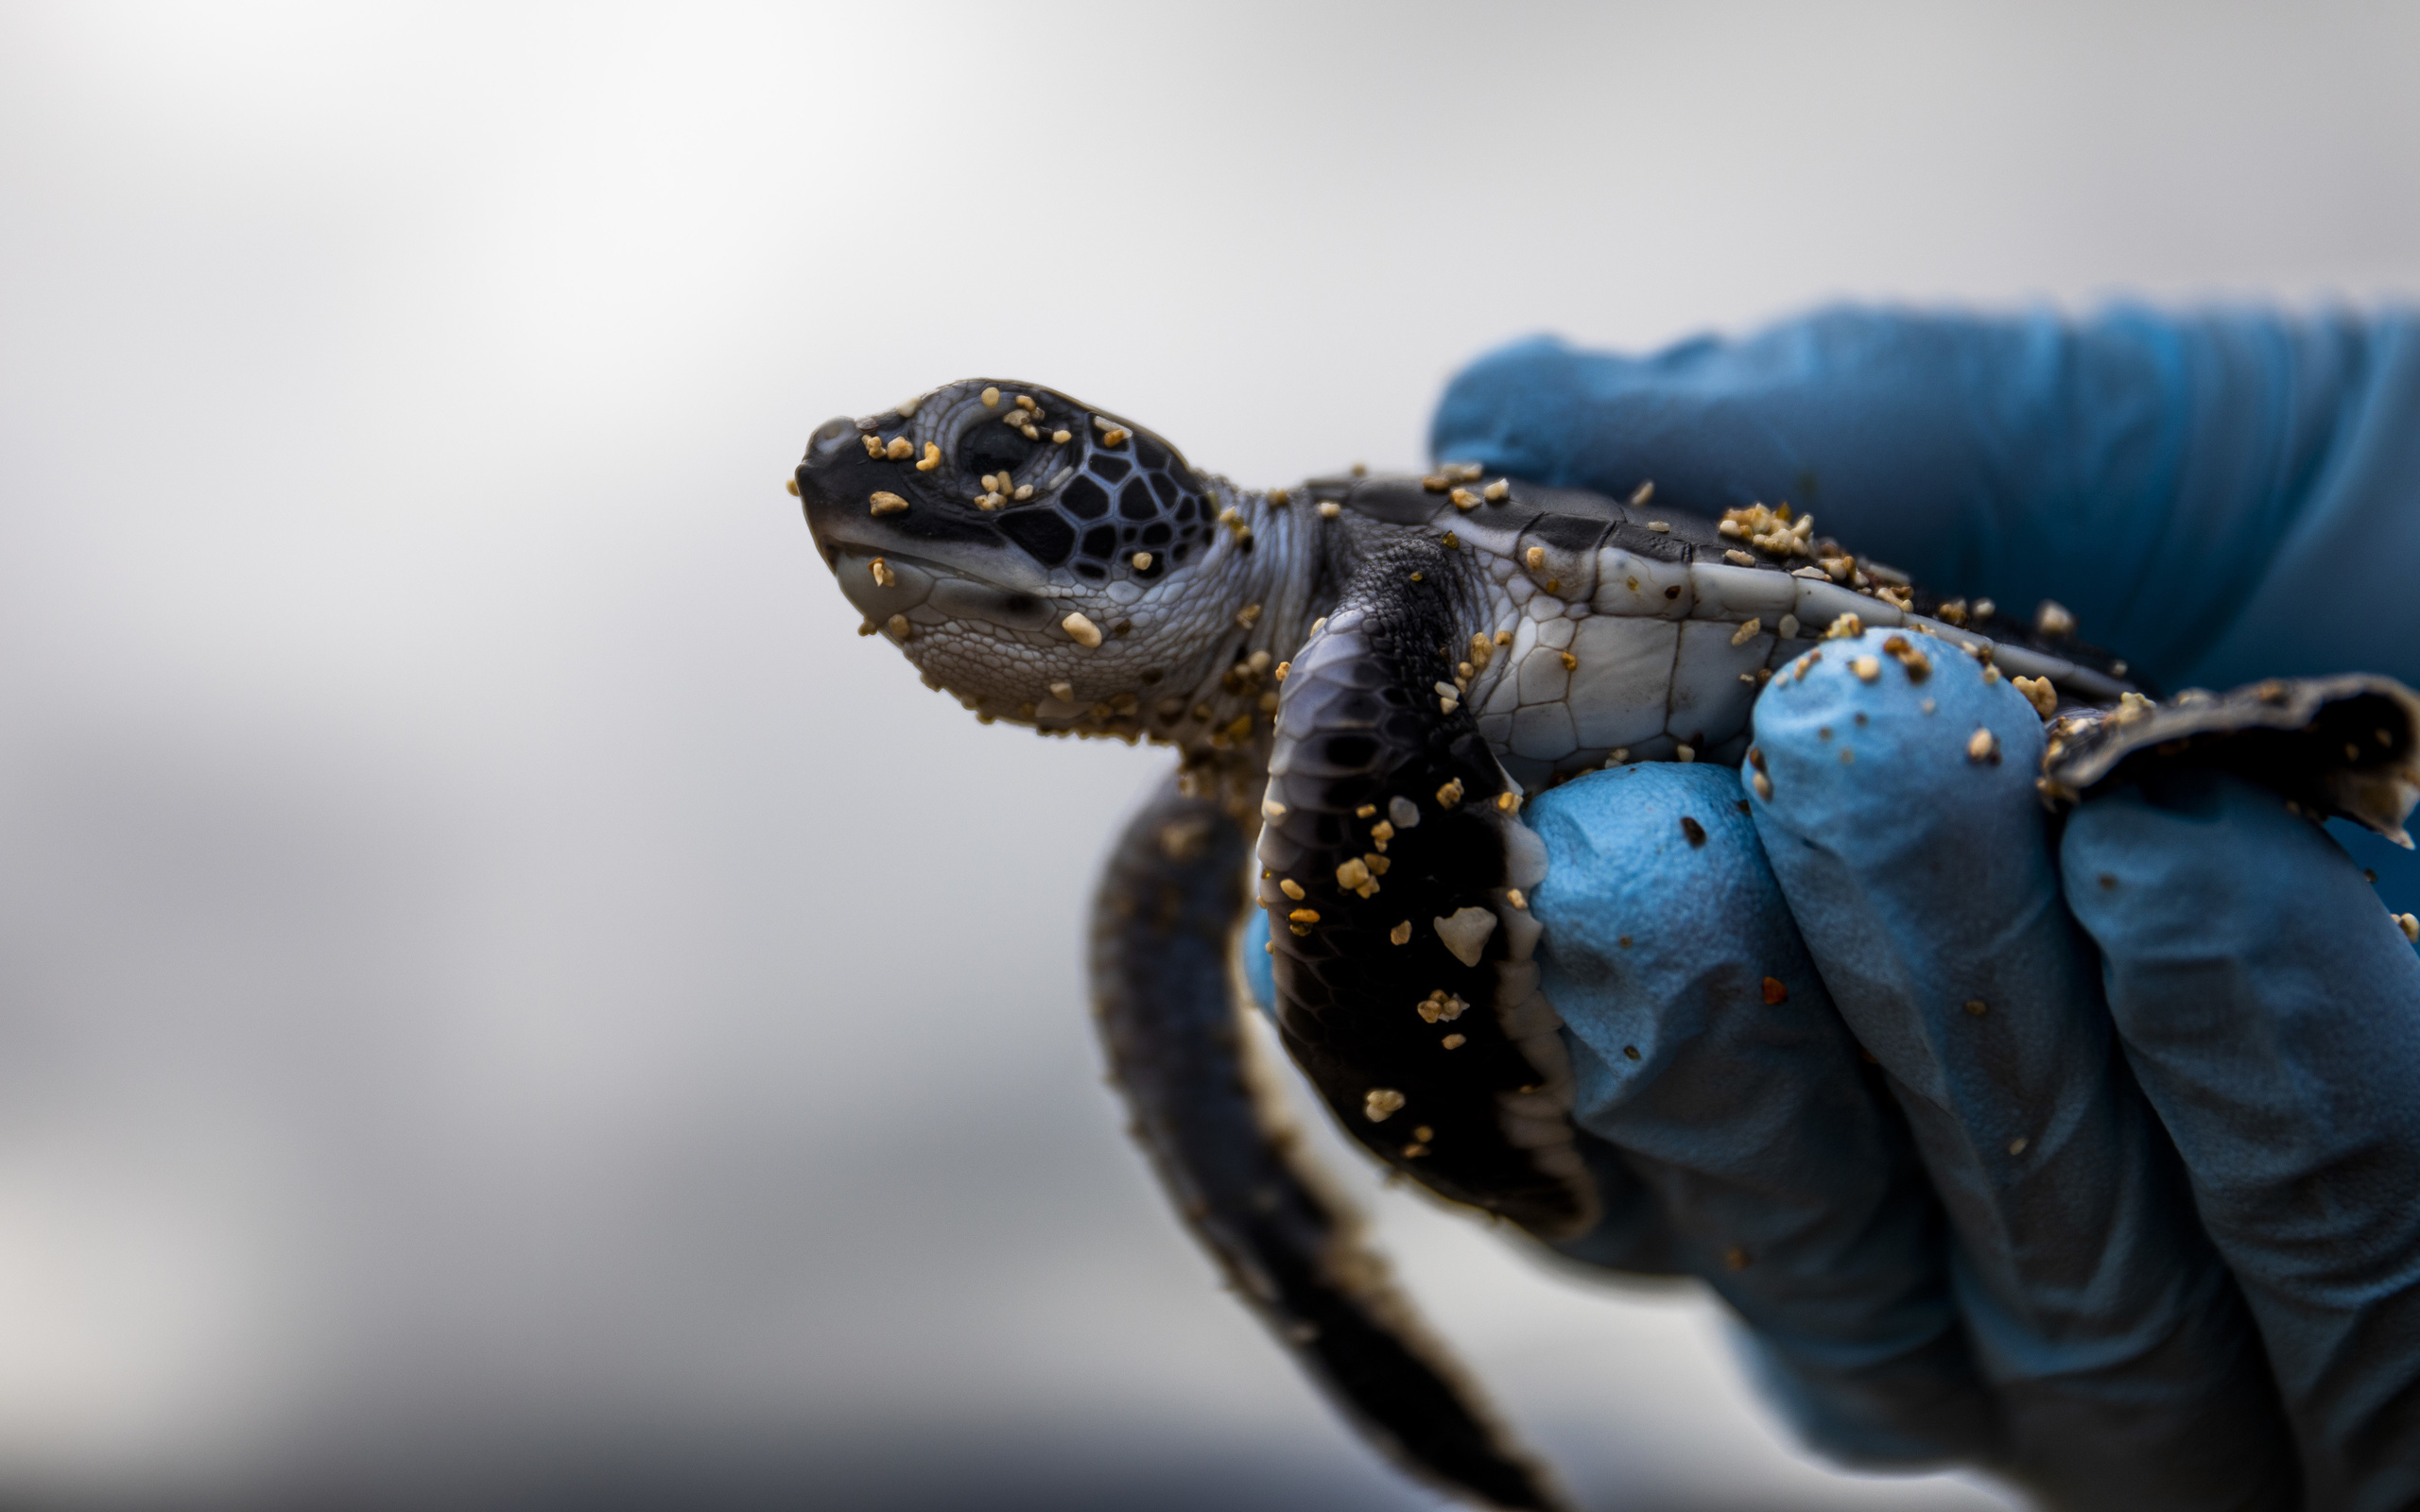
1163,924
2346,744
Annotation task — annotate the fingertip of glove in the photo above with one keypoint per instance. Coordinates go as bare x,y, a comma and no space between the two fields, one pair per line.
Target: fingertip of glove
1631,829
1891,732
1654,861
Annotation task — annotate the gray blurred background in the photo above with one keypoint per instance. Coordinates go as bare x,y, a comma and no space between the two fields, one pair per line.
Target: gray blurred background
505,1000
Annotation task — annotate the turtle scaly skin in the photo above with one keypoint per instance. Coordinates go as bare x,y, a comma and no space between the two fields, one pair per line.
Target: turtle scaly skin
1363,677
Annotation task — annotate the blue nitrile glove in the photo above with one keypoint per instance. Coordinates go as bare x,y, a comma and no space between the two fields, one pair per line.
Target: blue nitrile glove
2156,1241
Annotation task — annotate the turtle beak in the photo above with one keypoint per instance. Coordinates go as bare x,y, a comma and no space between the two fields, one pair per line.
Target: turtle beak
833,445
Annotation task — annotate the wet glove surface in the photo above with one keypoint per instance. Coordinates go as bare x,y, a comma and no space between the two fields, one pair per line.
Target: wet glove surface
2128,1202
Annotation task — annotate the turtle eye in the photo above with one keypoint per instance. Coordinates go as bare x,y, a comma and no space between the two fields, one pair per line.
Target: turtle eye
992,448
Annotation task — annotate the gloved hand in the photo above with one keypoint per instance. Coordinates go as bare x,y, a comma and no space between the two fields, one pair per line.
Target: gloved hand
2128,1201
2088,1150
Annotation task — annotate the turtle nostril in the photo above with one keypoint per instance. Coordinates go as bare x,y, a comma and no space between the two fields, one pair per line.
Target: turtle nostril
830,439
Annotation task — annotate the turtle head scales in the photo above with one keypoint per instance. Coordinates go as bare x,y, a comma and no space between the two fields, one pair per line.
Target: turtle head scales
1055,565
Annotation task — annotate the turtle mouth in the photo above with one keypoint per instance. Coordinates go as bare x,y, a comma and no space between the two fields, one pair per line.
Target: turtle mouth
881,582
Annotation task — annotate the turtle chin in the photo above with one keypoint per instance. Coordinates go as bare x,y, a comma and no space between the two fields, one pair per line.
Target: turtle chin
885,583
1007,650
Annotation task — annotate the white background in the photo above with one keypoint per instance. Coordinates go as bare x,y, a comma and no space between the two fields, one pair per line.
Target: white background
501,986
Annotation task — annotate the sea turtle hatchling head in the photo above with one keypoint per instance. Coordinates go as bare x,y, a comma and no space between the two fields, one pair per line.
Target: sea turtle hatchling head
1363,677
1050,563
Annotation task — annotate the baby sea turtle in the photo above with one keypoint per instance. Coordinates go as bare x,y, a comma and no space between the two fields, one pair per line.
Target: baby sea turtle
1362,677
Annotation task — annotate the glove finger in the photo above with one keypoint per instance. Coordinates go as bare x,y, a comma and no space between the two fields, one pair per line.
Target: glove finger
2271,1013
1706,1050
1897,805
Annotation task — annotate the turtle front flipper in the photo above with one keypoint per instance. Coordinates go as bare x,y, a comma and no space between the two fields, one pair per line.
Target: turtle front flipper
1395,873
1164,927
